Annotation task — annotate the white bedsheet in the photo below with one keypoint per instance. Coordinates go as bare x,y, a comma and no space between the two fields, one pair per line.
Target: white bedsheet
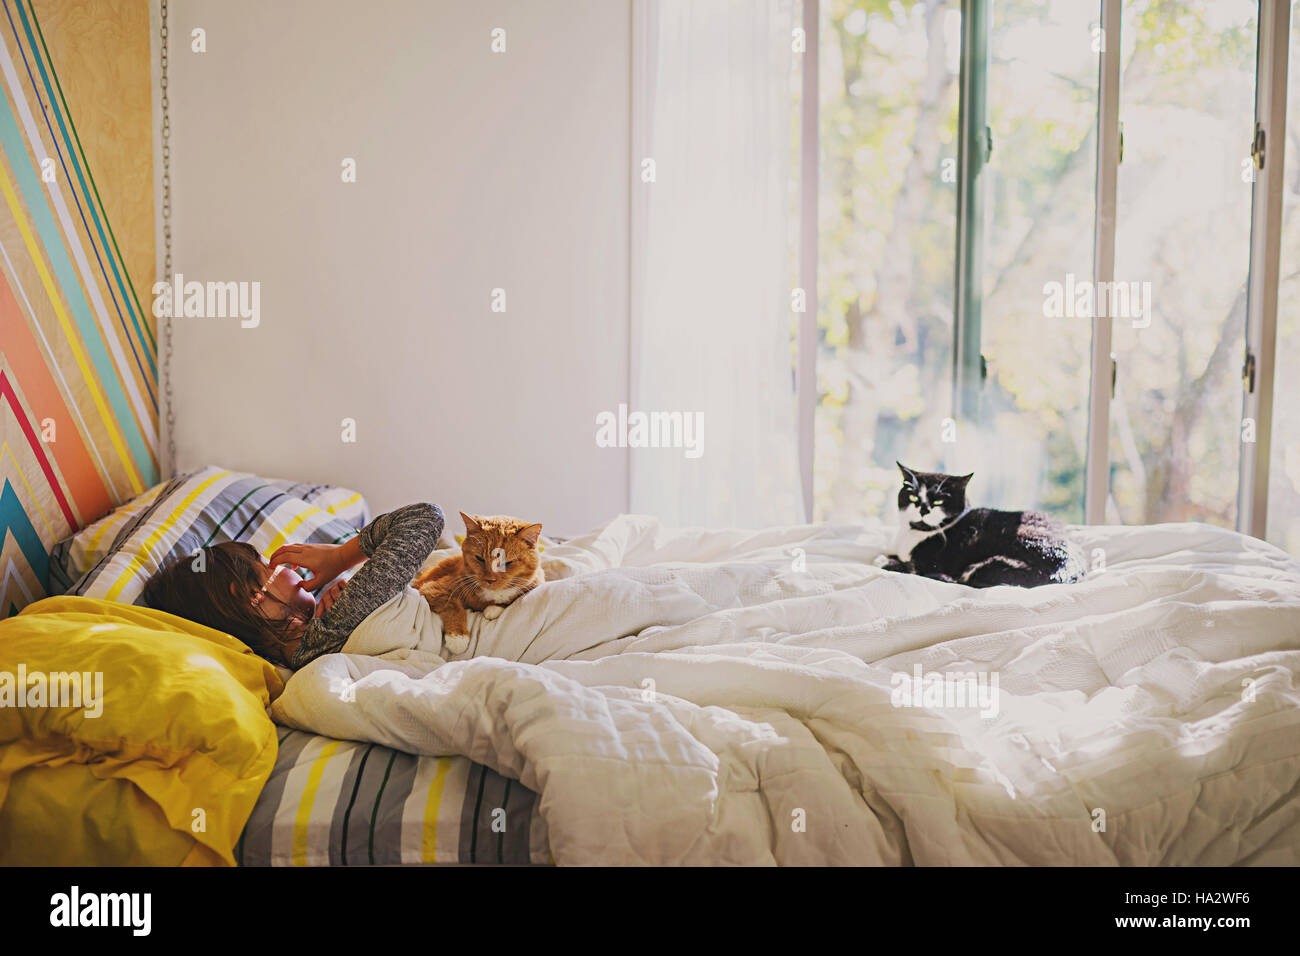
698,696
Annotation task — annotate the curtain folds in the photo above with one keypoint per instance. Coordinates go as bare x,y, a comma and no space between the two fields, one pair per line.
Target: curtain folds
711,271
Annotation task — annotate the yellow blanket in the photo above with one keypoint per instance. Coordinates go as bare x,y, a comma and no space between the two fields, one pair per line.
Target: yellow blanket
154,754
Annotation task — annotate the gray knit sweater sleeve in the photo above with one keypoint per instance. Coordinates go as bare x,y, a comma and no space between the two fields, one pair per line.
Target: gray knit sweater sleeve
397,544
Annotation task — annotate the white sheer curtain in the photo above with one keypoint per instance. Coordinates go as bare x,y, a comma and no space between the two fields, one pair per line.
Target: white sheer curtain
711,268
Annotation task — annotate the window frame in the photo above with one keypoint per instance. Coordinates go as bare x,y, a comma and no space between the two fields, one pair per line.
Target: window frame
974,150
1103,361
1271,58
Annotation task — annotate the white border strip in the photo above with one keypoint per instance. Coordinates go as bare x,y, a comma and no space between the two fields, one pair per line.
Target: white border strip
1097,478
1265,250
809,154
166,466
644,52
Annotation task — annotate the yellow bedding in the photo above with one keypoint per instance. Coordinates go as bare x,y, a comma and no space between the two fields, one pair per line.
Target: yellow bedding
168,771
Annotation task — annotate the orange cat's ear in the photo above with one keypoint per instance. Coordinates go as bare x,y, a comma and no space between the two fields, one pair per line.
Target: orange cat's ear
530,533
471,524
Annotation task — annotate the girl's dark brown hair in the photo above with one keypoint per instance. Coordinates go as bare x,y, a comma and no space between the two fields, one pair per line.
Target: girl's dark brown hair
215,592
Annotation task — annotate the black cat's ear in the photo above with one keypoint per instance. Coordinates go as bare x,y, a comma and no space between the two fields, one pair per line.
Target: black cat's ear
908,474
965,479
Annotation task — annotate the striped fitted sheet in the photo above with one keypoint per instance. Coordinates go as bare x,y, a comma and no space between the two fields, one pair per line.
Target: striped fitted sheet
341,803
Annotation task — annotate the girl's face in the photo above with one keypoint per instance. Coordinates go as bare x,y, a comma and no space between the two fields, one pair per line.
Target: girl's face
283,595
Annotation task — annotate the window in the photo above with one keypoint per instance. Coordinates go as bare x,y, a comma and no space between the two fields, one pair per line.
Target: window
888,215
966,148
1187,102
1026,437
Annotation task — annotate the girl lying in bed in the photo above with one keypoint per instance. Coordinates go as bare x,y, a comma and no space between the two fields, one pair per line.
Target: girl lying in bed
272,609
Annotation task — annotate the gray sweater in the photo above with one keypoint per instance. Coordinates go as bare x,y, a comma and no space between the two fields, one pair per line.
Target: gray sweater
396,544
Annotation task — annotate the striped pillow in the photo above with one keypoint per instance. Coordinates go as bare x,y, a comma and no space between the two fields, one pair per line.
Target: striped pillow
113,557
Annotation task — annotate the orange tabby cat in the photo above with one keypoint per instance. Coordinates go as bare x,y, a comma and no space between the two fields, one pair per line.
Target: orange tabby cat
498,561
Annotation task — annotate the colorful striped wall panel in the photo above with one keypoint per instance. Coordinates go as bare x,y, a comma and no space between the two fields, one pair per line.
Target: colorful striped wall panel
78,356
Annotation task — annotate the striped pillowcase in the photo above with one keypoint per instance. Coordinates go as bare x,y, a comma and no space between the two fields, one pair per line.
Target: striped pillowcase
113,557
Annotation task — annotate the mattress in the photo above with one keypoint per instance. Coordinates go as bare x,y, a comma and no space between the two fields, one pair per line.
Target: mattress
343,803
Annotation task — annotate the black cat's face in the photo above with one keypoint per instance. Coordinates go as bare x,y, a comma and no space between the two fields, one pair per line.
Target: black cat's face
928,501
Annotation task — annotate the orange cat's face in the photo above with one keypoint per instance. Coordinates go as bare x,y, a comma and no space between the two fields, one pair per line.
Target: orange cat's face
500,552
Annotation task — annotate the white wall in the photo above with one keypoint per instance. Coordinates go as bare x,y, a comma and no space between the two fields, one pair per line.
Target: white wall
475,170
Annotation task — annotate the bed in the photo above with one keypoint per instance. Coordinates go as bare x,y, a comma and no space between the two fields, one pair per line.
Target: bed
769,696
681,696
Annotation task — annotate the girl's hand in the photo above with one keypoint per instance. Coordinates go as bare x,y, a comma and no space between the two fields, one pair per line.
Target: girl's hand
327,599
324,561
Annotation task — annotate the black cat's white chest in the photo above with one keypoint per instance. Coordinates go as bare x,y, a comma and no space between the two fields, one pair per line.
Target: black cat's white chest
908,538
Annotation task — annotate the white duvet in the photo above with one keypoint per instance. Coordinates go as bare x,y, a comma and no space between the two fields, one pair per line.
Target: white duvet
737,697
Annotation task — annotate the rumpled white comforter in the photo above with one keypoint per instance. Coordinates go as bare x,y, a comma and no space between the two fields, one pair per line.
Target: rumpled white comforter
699,696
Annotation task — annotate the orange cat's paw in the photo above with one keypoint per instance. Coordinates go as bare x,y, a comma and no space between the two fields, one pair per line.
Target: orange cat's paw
493,611
456,643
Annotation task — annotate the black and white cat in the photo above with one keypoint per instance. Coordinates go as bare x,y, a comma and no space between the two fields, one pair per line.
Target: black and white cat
940,537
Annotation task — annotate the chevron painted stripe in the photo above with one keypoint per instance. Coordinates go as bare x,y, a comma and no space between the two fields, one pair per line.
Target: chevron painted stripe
90,483
78,356
37,448
64,122
16,526
15,592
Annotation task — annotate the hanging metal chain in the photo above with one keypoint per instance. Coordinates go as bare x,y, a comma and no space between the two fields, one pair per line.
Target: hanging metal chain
167,239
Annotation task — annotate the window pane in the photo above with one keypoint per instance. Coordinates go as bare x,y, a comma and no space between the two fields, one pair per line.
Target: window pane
1187,102
1284,452
887,221
1030,445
